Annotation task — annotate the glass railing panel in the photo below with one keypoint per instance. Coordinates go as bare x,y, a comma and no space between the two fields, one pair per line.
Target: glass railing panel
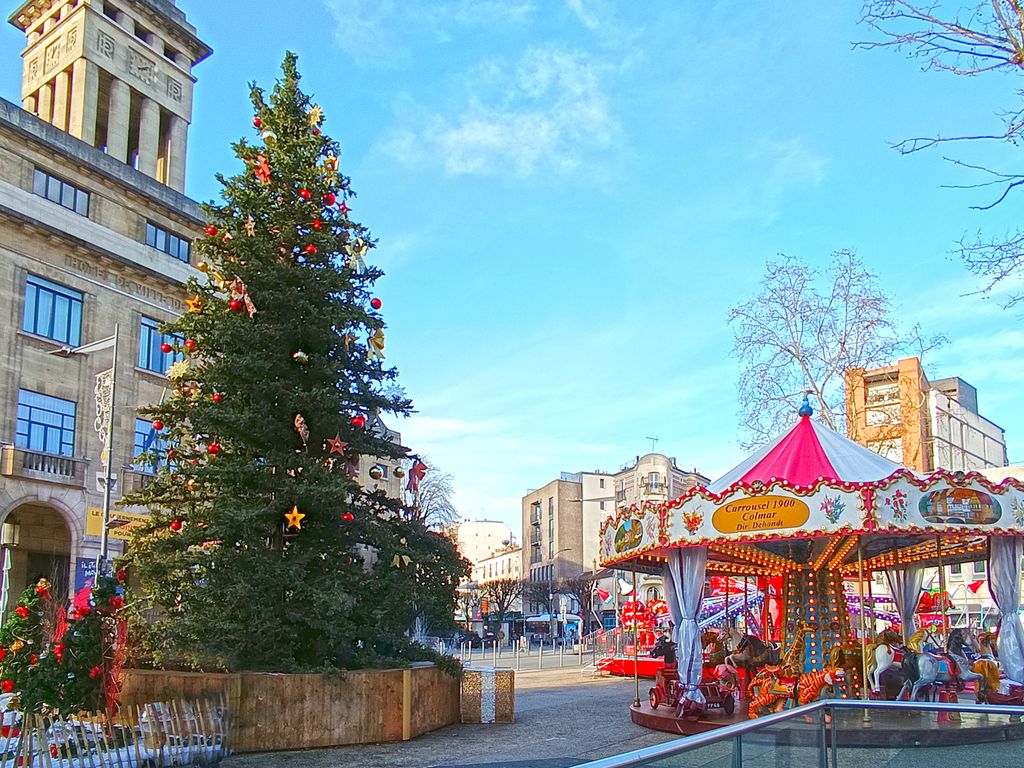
717,755
796,743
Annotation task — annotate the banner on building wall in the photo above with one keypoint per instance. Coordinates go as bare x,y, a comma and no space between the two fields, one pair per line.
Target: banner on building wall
121,526
85,573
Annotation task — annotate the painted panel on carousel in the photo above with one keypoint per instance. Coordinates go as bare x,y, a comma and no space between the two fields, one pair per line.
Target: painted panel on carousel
636,531
781,513
959,506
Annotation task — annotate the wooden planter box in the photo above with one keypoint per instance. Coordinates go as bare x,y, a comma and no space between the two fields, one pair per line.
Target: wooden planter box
269,712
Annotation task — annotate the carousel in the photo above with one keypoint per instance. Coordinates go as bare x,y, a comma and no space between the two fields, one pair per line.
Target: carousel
810,519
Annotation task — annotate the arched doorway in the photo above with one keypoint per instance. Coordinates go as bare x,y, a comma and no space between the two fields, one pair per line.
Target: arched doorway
41,548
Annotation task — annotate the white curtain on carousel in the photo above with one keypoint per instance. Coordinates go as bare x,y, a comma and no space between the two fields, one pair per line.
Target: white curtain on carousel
905,586
685,592
1004,557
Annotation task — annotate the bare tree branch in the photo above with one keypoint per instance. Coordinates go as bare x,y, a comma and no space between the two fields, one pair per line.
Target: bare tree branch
801,333
433,503
979,37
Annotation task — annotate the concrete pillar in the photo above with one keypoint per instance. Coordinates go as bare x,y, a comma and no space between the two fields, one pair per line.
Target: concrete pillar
149,136
46,102
178,151
126,21
118,118
85,93
96,5
182,60
29,103
61,91
155,42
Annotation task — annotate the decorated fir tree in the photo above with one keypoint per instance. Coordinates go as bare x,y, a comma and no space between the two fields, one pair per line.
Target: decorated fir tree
263,552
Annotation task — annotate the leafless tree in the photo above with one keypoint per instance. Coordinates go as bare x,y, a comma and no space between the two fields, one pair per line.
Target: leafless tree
971,39
802,332
540,593
502,595
433,503
582,588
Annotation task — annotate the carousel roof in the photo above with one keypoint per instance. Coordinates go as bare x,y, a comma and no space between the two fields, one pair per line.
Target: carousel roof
806,453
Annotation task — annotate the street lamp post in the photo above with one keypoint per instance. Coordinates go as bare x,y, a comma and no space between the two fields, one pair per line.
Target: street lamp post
104,423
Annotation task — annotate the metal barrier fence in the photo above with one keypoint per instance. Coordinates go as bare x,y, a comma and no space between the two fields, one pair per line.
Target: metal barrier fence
825,735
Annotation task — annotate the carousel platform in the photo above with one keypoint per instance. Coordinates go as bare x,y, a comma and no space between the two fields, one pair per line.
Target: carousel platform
855,728
622,666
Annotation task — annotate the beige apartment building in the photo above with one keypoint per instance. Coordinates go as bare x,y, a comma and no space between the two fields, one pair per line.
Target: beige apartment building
924,425
94,232
561,521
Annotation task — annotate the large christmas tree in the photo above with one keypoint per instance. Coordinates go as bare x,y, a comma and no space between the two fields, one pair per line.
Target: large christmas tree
263,551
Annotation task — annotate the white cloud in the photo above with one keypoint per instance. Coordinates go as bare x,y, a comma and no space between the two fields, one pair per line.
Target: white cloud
381,34
547,113
587,18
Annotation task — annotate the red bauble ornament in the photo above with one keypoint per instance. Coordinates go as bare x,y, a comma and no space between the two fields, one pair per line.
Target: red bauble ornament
6,686
310,249
217,397
42,591
376,303
189,345
305,194
316,131
172,453
158,425
343,209
348,517
257,123
317,224
54,751
213,449
95,672
210,230
3,654
122,574
116,602
175,525
236,305
359,421
330,199
165,347
22,611
33,659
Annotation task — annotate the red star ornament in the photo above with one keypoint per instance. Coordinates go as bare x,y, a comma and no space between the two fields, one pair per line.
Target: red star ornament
336,445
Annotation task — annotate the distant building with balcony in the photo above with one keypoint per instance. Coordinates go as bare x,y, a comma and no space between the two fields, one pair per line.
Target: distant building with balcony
94,230
562,520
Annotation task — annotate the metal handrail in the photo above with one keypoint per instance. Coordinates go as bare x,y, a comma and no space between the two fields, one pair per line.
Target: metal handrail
670,748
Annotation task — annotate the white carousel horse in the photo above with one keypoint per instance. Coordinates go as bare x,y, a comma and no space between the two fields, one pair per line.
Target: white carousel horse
882,655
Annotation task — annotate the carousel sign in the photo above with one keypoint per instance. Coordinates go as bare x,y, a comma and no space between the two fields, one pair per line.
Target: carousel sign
761,513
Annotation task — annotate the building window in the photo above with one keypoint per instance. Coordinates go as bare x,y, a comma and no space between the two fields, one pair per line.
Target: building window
601,504
53,311
151,358
653,482
955,569
979,568
159,238
148,440
601,483
551,528
45,424
61,192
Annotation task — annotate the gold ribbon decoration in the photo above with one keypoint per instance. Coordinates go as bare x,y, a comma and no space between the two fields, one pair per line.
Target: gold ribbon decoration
376,344
302,428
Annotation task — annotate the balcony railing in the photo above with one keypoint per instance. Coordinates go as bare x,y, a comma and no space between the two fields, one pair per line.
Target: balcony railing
535,517
650,488
535,536
37,465
133,480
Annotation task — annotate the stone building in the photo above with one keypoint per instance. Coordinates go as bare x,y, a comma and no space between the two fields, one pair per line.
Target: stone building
95,232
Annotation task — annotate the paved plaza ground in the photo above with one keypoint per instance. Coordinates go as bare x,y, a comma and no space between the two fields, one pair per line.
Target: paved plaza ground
564,718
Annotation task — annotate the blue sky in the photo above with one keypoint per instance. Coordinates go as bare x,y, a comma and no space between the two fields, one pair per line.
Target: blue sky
569,195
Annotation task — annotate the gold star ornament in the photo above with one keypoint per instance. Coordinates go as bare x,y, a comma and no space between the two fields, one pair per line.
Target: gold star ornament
294,519
194,304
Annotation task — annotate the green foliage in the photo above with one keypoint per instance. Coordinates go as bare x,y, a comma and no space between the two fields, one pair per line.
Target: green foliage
282,339
53,667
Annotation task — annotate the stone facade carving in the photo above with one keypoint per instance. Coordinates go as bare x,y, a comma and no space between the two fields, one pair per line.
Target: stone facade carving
72,40
53,55
105,44
141,67
174,89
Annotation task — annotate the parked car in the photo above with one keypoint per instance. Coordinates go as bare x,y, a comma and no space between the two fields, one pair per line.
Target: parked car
463,636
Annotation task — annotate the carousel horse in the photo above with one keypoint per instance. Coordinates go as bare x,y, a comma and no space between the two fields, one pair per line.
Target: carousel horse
963,648
752,653
987,663
882,655
923,666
